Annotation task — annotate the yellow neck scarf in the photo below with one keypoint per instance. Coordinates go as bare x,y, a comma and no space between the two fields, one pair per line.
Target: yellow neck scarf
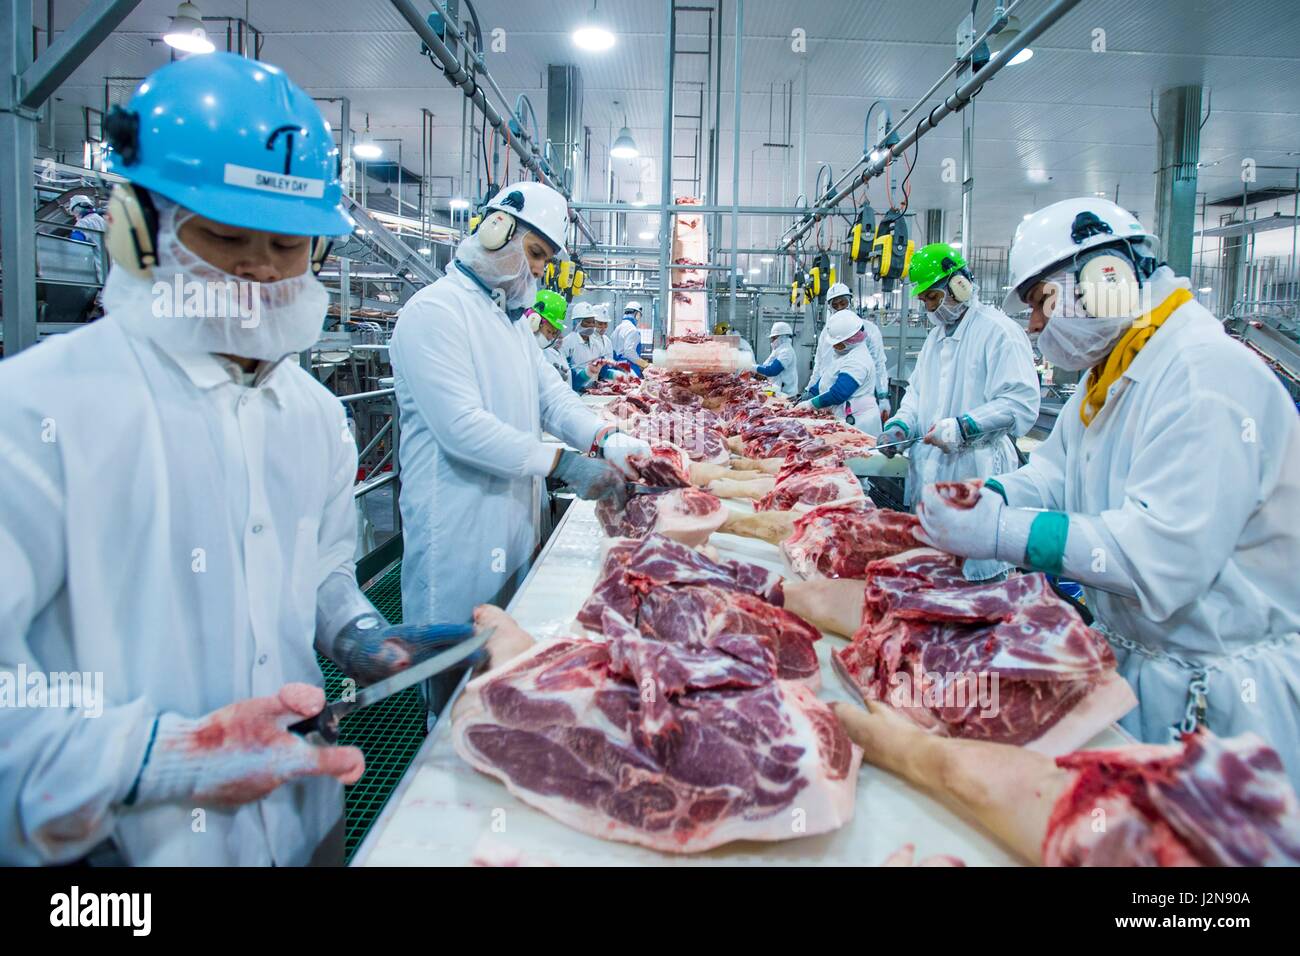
1125,351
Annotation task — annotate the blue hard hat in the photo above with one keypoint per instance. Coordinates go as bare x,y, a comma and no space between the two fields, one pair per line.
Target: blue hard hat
234,140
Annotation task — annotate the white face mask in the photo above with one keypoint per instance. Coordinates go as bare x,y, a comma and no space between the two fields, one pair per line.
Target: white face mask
948,314
505,269
1072,339
191,306
542,341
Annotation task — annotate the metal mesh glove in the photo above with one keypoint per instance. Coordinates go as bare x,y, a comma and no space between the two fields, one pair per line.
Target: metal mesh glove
591,478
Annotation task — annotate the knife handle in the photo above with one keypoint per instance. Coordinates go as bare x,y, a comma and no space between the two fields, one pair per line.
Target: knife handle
324,725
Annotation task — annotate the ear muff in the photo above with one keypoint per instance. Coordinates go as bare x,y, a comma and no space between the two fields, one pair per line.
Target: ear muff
132,238
1108,286
320,250
961,287
496,230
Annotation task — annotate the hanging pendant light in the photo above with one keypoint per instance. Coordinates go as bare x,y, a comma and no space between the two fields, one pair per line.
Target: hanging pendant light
367,148
187,33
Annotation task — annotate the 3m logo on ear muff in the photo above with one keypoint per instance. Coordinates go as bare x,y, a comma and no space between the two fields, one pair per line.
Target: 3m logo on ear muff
515,200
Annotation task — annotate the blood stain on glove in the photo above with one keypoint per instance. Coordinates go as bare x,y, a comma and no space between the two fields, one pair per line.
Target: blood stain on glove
960,494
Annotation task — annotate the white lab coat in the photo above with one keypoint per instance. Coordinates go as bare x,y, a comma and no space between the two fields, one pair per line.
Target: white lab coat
985,367
167,529
876,346
474,393
626,338
93,227
578,352
787,380
554,356
606,345
857,363
1190,477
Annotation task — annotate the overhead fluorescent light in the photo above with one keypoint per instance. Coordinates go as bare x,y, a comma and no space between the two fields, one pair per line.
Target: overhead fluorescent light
1022,57
754,270
367,150
1206,289
765,259
424,250
647,235
458,203
186,32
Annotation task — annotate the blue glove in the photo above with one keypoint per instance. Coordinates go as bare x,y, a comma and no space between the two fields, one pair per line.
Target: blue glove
368,651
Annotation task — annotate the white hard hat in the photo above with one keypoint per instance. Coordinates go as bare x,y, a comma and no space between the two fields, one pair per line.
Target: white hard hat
583,310
602,312
79,201
633,306
539,207
1059,232
837,290
781,328
844,324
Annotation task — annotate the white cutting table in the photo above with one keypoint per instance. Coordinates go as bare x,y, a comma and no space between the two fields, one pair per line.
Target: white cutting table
444,813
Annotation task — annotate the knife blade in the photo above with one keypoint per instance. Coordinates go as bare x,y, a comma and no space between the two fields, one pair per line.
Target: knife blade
326,723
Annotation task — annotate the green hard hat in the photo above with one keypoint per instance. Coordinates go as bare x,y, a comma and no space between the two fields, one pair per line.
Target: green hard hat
933,263
551,306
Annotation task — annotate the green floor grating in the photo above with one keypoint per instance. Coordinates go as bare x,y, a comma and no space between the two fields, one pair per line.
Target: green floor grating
388,733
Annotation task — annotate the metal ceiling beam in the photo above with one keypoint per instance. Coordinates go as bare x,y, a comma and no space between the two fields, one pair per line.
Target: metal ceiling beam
458,76
70,50
953,103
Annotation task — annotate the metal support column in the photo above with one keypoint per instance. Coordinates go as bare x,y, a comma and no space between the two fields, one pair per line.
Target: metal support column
1178,127
666,174
735,161
967,178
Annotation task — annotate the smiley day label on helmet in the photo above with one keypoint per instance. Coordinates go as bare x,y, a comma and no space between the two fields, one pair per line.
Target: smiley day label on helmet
282,183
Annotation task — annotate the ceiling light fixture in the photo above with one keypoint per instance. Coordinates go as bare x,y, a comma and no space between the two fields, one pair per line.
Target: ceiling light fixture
1003,40
367,148
624,145
424,250
647,234
593,34
187,32
458,203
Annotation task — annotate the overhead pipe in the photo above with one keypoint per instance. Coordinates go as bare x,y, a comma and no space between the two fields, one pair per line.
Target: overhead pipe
528,152
952,104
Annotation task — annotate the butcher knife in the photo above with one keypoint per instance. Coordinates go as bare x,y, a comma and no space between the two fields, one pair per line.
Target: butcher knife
898,444
635,488
326,723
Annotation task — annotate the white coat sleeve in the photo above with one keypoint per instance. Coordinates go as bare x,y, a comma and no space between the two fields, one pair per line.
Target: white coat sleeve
1010,388
62,773
1180,521
563,414
878,353
438,369
1041,482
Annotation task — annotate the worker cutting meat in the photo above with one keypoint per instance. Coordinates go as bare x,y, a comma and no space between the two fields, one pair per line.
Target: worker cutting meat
1169,486
181,433
781,365
839,298
548,316
626,337
847,385
583,348
973,390
474,393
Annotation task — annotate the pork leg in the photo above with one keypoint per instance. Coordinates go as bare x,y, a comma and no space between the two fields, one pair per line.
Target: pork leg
702,473
753,490
506,643
1008,790
768,466
829,604
770,526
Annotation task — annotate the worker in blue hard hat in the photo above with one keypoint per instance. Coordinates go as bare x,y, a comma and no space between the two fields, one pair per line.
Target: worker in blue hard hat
177,523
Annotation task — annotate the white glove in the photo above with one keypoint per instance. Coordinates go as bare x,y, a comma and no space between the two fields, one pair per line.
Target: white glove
618,447
945,435
885,408
966,532
806,404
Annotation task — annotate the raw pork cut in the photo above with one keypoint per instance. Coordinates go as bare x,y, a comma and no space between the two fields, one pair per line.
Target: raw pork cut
813,486
839,542
673,748
692,431
688,515
1206,801
1002,661
670,592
